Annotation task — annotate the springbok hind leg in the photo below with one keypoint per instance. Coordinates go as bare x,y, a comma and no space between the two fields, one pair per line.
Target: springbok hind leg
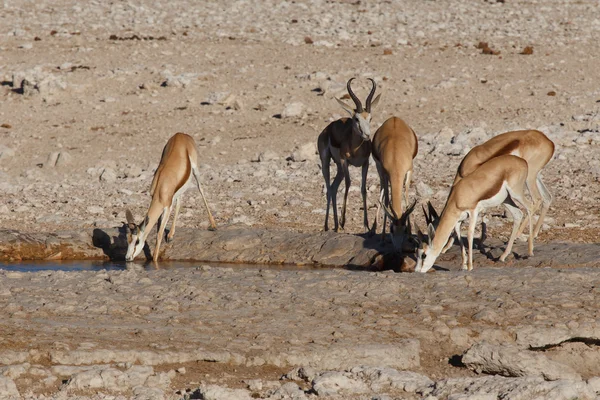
211,220
546,200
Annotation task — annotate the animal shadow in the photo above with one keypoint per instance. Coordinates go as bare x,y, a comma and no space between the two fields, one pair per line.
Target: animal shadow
115,247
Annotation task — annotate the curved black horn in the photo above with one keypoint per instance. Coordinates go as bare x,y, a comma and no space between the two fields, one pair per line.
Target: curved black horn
370,96
359,107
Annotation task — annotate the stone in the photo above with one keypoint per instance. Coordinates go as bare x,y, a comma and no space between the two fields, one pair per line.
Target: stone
423,190
444,136
491,387
268,155
109,378
215,392
305,152
334,382
6,152
108,175
511,361
8,389
293,110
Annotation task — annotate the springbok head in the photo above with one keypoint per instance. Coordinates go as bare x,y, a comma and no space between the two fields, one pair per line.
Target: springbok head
400,227
361,117
134,237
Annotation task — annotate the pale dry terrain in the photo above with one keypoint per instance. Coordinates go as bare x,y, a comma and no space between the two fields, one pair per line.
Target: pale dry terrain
107,83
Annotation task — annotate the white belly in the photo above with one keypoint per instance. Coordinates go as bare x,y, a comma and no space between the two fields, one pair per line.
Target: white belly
494,200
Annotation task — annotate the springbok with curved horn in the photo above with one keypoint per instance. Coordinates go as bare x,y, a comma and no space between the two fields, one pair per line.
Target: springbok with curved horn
531,145
178,163
395,145
501,180
348,142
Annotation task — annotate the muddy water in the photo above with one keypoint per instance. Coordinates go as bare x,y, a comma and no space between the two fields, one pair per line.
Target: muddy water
96,265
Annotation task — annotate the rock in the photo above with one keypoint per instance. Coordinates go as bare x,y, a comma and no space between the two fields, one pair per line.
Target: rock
95,210
64,158
288,391
56,159
8,389
6,152
215,392
293,110
216,97
423,190
490,387
38,80
108,175
14,371
511,361
333,383
306,374
10,357
383,379
233,102
267,155
109,378
444,136
305,152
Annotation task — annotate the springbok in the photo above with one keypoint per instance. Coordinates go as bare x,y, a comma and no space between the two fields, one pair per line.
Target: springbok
395,145
501,180
348,142
531,145
179,161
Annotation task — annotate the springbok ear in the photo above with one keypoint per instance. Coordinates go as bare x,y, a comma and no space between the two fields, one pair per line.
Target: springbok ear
375,101
430,233
129,217
346,107
419,235
427,219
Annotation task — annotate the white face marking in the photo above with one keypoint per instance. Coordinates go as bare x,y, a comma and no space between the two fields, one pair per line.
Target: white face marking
362,125
136,245
425,259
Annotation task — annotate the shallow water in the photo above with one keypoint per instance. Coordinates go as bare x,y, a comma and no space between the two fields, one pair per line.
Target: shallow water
99,265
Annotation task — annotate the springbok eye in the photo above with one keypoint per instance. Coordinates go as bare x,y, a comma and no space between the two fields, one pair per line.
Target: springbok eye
423,256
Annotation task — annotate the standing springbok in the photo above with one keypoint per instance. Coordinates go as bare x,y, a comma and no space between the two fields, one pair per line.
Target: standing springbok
179,161
347,141
395,145
531,145
501,180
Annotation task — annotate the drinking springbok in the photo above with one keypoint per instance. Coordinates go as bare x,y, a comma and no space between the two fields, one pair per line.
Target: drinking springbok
178,163
501,180
395,145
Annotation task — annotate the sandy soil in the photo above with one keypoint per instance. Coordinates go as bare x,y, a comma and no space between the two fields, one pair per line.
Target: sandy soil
109,82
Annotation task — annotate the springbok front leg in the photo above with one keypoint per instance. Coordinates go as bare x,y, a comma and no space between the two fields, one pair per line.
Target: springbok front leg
517,216
171,234
470,233
161,231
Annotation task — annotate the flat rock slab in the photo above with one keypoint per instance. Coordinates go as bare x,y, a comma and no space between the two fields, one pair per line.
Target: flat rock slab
243,244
